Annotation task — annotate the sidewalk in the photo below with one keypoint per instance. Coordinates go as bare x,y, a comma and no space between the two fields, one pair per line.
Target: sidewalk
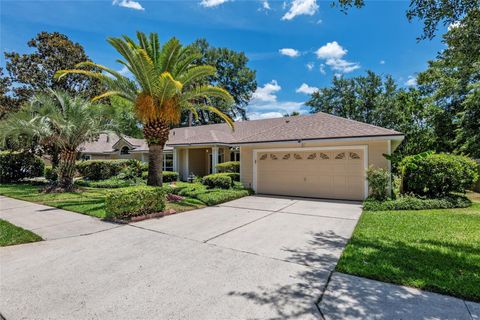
350,297
48,222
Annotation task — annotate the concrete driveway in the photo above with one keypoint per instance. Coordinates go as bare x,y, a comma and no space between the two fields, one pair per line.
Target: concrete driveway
253,258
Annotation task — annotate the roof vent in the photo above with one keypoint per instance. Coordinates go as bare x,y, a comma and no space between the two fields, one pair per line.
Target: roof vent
108,137
287,121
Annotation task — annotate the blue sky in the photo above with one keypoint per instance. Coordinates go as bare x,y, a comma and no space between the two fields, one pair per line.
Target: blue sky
295,45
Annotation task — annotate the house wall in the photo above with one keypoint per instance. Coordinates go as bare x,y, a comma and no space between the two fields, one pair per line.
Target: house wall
376,149
197,161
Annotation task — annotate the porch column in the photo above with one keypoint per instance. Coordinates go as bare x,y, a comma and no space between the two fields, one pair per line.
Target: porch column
214,159
175,159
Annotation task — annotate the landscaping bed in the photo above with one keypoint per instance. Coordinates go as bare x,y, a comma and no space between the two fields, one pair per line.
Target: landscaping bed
11,234
436,250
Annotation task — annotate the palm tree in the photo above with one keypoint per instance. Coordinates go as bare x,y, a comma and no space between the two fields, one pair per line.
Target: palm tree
166,83
59,120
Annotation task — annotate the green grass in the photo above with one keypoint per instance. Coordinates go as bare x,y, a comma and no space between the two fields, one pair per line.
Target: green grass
435,250
185,205
11,234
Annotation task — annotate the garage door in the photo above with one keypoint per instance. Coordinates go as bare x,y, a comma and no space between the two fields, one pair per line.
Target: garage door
335,174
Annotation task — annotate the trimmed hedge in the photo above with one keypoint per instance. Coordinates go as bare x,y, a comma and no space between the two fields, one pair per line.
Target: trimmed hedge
218,180
214,197
229,166
114,182
50,174
134,201
100,169
15,166
378,180
414,203
167,176
437,175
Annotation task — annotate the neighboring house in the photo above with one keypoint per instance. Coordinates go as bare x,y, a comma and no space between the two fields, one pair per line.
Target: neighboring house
317,155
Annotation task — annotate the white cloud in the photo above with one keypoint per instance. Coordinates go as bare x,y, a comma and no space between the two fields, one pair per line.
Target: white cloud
333,54
128,4
331,50
274,110
124,71
310,66
289,52
382,61
319,21
265,5
266,115
412,81
305,88
453,25
267,93
301,7
322,69
212,3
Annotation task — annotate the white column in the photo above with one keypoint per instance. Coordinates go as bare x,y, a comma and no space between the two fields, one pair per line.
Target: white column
175,159
214,159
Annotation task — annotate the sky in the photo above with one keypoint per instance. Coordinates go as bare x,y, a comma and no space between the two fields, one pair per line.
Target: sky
295,46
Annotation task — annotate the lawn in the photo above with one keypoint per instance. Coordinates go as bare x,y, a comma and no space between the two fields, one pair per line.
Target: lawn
11,234
435,250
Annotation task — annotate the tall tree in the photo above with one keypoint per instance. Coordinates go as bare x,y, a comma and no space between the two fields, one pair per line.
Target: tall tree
232,74
57,119
165,84
32,72
8,103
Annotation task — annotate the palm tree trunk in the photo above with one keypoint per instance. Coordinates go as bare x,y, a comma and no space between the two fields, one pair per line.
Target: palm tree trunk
156,134
66,169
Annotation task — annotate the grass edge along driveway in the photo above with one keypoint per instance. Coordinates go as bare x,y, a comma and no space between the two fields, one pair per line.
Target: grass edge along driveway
11,234
434,250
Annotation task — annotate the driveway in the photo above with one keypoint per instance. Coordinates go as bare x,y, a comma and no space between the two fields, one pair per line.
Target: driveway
253,258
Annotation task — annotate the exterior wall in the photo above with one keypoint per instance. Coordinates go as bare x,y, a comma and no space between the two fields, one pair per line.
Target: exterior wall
376,149
197,161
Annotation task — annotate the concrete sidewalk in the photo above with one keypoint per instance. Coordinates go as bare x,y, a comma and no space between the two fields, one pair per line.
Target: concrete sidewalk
48,222
350,297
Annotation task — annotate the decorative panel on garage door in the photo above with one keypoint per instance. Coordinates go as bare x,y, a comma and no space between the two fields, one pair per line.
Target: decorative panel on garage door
336,174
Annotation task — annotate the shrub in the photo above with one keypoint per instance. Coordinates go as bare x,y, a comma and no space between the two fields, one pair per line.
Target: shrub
191,190
167,176
217,180
437,175
134,201
378,180
233,175
114,182
15,166
407,202
230,166
50,174
214,197
100,169
132,170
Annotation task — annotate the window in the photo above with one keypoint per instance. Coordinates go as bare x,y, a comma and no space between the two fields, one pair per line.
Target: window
125,150
235,156
168,162
86,157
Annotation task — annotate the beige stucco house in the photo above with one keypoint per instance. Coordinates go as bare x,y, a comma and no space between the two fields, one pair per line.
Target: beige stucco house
317,155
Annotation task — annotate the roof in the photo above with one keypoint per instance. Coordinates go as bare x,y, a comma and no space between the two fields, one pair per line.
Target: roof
303,127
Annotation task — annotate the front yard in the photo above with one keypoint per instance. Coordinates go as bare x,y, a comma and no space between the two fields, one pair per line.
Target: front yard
435,250
11,234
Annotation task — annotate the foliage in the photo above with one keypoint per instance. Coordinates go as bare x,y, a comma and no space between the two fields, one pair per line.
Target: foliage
122,115
232,74
15,166
437,175
8,103
229,166
132,170
50,173
100,169
233,175
50,52
111,183
134,201
435,250
378,181
218,180
215,197
174,197
165,84
167,176
407,202
11,235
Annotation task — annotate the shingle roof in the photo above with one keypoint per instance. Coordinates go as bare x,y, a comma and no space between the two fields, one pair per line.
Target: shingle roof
105,144
303,127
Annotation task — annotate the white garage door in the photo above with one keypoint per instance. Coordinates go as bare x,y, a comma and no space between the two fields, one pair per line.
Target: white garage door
335,174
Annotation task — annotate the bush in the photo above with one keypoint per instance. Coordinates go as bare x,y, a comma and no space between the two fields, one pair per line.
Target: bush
230,166
191,190
100,169
414,203
378,180
234,176
217,180
132,170
114,182
15,166
214,197
134,201
437,175
167,176
50,174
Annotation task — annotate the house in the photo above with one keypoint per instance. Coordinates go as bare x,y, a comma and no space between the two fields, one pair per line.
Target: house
317,155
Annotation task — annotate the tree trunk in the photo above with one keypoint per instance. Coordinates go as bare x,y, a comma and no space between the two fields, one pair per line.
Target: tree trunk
66,169
156,134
